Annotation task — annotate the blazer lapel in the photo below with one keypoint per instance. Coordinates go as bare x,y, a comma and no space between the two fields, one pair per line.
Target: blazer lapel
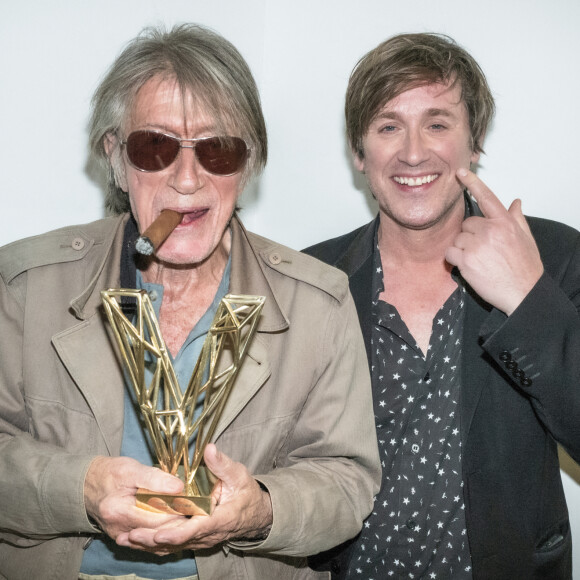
474,368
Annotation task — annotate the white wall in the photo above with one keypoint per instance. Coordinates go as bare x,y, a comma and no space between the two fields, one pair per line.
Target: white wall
301,52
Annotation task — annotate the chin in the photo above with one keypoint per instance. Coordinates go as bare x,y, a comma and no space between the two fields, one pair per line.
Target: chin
180,257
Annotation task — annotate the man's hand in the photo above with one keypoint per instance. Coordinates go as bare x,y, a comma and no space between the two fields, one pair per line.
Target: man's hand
110,487
243,511
496,254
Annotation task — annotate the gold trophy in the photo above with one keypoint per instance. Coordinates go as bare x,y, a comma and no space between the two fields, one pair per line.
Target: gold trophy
169,414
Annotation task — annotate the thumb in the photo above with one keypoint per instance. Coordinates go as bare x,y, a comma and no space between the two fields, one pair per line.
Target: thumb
217,462
515,210
516,207
157,480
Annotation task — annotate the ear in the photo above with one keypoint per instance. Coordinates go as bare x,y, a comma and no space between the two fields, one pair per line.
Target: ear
110,141
113,151
358,160
475,156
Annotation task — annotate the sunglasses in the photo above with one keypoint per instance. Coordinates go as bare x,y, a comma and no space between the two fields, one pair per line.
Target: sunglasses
153,151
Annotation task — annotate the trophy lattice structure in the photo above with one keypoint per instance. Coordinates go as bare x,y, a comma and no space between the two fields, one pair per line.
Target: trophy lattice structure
169,414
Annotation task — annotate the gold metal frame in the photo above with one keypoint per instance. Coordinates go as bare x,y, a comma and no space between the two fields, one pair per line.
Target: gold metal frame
169,414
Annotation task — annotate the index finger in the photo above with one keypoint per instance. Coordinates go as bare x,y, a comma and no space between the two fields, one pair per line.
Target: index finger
487,201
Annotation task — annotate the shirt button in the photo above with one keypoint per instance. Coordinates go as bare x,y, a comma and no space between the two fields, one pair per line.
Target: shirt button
153,295
411,523
415,448
78,244
275,258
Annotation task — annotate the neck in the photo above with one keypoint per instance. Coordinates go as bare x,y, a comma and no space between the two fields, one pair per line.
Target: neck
417,278
188,292
403,247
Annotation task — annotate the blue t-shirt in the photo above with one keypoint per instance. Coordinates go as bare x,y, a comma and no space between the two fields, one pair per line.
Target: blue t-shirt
104,556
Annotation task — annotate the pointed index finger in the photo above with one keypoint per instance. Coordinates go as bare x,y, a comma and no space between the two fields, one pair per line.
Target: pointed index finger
487,201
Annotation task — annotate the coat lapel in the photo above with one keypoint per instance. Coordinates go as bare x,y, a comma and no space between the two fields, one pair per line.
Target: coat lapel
253,373
87,350
87,353
248,277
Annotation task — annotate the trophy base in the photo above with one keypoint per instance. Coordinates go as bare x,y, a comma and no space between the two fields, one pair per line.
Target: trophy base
181,504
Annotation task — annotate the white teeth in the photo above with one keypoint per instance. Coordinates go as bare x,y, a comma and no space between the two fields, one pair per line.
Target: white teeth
413,181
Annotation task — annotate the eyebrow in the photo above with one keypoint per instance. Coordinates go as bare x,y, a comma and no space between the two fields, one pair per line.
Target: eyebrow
163,128
429,113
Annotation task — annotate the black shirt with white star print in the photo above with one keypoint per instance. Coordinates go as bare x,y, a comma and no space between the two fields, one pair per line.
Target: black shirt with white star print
417,527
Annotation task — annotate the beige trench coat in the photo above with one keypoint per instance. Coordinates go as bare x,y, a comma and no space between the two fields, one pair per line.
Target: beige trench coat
299,417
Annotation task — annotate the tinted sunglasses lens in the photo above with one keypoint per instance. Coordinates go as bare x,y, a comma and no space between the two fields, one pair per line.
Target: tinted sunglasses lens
151,151
222,155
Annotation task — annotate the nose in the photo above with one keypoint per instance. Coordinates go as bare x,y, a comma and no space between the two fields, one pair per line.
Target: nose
188,175
414,149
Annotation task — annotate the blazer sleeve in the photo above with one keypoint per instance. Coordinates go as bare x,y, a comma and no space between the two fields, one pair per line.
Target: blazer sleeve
538,346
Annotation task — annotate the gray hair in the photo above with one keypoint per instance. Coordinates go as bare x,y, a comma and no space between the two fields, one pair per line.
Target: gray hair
204,65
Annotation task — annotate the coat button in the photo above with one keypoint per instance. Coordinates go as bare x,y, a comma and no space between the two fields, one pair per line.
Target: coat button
78,244
504,356
518,373
275,258
525,381
511,365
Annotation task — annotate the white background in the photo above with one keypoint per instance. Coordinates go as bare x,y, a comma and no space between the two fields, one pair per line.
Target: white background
52,55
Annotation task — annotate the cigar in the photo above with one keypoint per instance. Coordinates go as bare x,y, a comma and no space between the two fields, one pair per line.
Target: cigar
158,232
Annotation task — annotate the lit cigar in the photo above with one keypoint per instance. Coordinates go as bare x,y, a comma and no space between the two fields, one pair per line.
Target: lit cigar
158,232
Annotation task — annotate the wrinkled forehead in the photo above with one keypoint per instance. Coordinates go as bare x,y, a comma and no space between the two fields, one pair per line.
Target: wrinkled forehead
163,103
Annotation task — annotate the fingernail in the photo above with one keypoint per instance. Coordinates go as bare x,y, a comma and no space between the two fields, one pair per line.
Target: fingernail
462,172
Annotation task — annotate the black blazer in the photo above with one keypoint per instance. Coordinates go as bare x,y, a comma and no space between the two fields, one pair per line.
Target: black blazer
520,395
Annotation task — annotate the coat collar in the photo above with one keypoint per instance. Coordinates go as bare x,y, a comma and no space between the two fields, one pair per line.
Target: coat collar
360,250
248,276
106,268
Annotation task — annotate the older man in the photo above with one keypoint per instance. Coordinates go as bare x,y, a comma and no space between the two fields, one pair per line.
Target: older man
470,316
177,123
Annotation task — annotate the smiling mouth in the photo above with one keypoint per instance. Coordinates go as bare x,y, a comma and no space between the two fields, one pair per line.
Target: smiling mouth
415,181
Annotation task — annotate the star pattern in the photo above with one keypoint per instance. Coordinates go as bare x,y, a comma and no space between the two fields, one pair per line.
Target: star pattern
417,528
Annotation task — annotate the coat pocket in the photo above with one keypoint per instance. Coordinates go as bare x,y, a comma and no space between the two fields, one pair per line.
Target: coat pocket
553,554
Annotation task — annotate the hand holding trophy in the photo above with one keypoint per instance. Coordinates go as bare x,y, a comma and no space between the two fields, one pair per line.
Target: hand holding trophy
179,424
